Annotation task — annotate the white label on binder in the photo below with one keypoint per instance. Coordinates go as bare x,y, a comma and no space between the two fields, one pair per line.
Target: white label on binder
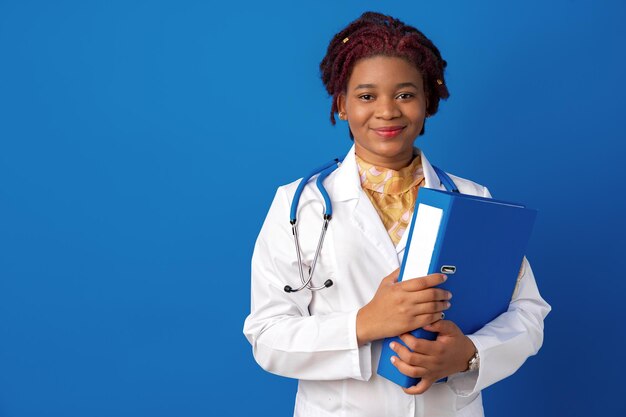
422,245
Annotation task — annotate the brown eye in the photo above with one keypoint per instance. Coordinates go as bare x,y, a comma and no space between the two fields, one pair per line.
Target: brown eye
366,97
405,96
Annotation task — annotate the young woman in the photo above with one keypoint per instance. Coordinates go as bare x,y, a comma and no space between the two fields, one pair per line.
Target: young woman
386,79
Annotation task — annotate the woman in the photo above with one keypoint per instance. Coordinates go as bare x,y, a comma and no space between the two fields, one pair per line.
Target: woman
385,78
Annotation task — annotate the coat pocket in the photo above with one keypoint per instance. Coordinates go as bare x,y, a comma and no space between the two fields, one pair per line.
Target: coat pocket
471,406
304,408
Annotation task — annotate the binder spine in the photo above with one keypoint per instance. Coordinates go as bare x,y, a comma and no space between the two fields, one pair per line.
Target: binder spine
385,368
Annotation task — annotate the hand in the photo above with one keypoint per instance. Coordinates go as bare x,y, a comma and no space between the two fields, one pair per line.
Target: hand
400,307
433,360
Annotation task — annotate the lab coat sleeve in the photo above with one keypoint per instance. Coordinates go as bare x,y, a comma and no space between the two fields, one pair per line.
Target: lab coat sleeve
286,339
506,342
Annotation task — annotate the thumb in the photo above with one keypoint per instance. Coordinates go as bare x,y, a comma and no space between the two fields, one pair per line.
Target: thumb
443,327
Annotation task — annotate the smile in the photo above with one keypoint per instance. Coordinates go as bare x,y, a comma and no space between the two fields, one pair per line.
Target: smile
388,132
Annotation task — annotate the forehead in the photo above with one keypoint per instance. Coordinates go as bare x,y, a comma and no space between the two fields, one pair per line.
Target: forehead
383,71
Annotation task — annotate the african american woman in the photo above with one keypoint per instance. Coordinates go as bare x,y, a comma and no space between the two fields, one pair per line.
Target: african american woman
385,78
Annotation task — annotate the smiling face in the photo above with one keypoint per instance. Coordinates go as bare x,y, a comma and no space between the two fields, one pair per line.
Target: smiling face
385,106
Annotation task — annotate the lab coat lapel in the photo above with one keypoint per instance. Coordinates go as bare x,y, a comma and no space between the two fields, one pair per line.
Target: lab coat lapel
431,180
347,190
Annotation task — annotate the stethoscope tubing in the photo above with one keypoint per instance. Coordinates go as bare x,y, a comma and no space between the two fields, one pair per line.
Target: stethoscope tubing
445,180
327,168
324,171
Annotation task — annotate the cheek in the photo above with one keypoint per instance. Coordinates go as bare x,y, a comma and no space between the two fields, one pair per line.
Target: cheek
418,114
358,115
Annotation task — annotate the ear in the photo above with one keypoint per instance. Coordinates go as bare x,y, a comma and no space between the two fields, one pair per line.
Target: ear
341,103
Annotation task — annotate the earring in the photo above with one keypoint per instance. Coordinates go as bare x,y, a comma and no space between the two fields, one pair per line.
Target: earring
342,115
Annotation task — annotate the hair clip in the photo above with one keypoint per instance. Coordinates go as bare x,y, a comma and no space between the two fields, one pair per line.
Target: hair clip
345,40
440,82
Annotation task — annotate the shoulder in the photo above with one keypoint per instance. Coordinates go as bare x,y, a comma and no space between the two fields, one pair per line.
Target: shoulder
342,176
464,185
289,188
285,195
286,192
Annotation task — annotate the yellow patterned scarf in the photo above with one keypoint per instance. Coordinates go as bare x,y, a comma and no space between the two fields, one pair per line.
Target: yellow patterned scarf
392,193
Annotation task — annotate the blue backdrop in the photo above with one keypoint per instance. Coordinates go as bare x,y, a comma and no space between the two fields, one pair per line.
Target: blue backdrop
141,143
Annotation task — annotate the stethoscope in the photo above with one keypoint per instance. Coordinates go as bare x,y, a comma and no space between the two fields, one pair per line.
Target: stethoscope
324,171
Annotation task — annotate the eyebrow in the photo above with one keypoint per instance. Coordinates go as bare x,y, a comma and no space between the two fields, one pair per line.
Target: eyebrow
401,85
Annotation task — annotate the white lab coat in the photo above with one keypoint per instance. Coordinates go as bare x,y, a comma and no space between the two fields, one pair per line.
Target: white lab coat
311,336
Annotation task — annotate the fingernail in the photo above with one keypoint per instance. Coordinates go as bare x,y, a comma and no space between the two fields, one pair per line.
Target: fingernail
448,304
393,359
445,277
392,345
449,295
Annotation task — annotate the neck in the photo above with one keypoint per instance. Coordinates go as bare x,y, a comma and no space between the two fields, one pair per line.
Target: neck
395,162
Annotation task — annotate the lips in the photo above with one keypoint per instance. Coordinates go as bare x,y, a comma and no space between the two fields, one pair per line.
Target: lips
388,131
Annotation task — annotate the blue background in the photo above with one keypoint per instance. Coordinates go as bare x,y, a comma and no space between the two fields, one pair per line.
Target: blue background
141,143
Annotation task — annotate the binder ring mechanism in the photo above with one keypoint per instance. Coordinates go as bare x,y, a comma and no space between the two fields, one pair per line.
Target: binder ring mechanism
448,269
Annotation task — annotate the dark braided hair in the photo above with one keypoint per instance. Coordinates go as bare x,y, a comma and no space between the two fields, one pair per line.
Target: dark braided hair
375,34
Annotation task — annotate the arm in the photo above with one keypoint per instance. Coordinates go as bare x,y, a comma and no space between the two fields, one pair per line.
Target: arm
289,341
505,343
285,338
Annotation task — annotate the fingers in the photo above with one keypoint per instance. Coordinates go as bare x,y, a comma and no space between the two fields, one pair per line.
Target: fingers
403,353
398,307
420,388
431,294
408,370
413,372
417,345
431,307
418,284
446,327
423,320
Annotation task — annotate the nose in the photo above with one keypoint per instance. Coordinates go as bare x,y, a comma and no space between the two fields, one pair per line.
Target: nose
387,109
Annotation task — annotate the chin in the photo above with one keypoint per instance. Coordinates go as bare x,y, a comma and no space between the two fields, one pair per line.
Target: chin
393,149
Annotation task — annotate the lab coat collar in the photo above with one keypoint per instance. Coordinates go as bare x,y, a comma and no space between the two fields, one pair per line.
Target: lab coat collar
346,184
431,180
